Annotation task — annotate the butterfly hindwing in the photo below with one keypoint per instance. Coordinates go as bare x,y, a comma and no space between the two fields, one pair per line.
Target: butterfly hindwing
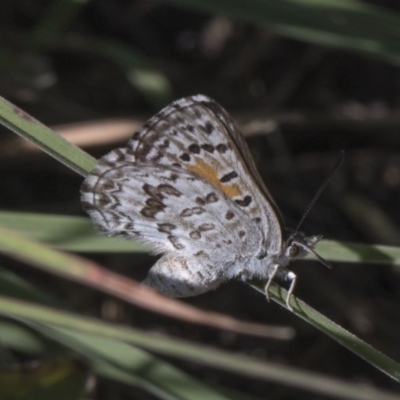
169,209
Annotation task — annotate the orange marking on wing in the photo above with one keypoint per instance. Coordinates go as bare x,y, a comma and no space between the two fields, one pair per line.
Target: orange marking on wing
209,173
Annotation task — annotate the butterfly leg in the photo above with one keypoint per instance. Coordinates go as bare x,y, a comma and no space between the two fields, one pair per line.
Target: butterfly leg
292,278
270,279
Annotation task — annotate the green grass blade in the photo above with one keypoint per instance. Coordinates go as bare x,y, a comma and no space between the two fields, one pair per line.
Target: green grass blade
358,252
23,339
92,275
49,141
336,332
13,285
177,348
77,234
109,358
120,361
66,232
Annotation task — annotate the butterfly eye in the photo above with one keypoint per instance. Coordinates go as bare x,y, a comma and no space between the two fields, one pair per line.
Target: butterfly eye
294,251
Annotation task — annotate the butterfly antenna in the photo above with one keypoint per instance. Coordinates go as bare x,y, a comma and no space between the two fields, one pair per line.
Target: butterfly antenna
324,262
321,189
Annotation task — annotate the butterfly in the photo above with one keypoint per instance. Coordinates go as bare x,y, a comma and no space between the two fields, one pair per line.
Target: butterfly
187,186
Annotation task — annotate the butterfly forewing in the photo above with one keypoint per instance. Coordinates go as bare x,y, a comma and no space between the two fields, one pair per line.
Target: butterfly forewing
241,148
198,135
171,210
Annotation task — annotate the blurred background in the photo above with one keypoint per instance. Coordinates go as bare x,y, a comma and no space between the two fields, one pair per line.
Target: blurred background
303,82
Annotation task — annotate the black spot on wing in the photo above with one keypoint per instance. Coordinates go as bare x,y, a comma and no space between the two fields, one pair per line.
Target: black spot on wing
165,144
200,201
188,212
229,215
152,191
244,202
211,198
206,227
175,242
166,227
195,235
190,128
194,148
149,212
185,157
228,177
208,147
154,203
209,127
222,148
169,190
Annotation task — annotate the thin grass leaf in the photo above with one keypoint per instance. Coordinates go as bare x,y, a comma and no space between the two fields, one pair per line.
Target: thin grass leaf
77,234
109,358
23,339
66,232
14,286
73,269
358,252
125,363
236,363
88,273
336,332
49,141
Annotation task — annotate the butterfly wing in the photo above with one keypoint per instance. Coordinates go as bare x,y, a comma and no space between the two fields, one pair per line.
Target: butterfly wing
186,185
196,134
172,210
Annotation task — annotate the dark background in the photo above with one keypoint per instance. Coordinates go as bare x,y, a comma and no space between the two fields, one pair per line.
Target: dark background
310,102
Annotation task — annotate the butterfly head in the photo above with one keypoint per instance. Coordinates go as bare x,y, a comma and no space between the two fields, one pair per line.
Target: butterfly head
298,245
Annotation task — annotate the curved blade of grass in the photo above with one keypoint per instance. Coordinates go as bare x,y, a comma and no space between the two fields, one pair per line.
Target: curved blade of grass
336,332
345,24
90,274
49,141
66,232
77,234
237,363
358,252
23,339
109,358
14,286
123,362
